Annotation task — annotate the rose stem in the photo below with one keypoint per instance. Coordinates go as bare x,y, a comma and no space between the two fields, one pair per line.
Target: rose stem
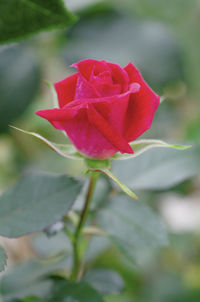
83,217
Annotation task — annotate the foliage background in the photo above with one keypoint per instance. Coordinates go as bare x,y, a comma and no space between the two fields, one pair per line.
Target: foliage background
162,39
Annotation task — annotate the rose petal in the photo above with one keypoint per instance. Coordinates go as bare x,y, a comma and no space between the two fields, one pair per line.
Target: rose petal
106,90
103,83
119,76
103,77
107,131
89,68
66,90
85,89
114,112
83,103
57,114
86,67
142,106
86,137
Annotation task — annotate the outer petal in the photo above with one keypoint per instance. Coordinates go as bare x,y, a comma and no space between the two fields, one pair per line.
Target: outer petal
141,108
82,132
86,137
56,116
114,111
66,90
107,131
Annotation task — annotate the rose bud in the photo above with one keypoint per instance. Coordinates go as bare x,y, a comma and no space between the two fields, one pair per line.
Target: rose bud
103,107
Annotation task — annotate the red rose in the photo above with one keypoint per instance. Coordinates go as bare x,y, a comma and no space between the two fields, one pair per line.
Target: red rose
103,107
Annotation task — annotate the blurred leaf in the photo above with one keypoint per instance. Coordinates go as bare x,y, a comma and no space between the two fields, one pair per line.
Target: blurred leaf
35,202
46,246
39,287
105,281
15,300
53,93
96,246
158,169
65,150
119,38
20,18
130,224
20,78
3,259
28,299
182,18
77,5
28,279
32,299
164,286
102,190
68,291
191,295
192,130
172,10
143,145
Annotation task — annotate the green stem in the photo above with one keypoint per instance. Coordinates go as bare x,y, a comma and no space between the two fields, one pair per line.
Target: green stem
83,217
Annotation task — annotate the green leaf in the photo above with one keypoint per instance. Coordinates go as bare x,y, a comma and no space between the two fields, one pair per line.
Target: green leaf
79,5
105,281
130,224
15,300
158,169
96,246
20,79
40,288
68,291
30,278
64,150
3,259
141,146
20,19
32,299
123,187
35,202
51,246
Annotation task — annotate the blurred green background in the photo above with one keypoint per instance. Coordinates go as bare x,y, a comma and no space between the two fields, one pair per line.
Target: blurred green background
162,38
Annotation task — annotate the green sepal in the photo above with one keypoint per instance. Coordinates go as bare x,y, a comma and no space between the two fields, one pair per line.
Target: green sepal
123,187
108,173
64,150
97,164
141,146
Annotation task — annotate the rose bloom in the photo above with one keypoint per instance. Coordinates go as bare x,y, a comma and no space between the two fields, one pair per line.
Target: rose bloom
103,107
